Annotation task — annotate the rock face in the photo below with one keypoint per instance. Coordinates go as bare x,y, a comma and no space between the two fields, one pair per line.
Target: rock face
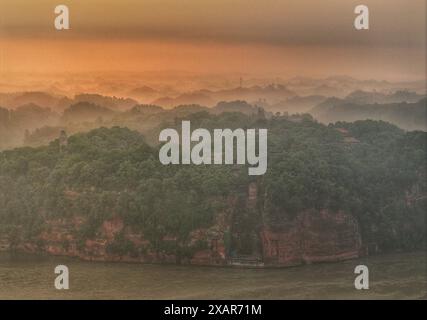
312,237
61,238
215,238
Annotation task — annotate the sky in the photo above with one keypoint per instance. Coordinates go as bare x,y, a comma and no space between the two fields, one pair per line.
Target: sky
265,38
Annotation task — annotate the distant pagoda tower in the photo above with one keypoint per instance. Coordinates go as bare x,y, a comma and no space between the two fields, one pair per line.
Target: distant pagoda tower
63,140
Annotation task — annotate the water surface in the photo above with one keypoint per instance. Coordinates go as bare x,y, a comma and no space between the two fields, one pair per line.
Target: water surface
397,276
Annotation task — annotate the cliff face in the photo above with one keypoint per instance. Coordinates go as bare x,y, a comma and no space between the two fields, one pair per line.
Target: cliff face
312,237
61,237
215,237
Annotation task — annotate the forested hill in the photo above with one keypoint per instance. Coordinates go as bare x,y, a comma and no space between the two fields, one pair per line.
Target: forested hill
409,116
371,170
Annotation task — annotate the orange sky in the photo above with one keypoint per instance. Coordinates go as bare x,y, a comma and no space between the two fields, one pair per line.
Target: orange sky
268,37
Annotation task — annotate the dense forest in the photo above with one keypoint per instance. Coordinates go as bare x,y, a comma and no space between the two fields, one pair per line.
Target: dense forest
370,169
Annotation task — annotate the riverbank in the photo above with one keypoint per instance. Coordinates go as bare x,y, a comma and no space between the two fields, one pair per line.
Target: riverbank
392,276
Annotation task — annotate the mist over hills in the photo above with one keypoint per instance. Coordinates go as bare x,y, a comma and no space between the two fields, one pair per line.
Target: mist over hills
403,108
33,125
35,117
86,112
409,116
47,100
186,98
147,87
114,103
17,123
365,97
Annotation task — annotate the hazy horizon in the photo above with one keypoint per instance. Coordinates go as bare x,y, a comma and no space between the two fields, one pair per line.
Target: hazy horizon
269,39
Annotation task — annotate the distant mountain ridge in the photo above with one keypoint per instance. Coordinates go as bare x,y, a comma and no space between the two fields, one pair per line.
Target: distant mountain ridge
88,111
410,116
272,92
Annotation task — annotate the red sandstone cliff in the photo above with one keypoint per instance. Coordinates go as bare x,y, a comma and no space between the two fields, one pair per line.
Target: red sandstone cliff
312,237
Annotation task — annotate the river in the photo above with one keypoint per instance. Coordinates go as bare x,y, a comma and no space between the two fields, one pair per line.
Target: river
392,276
